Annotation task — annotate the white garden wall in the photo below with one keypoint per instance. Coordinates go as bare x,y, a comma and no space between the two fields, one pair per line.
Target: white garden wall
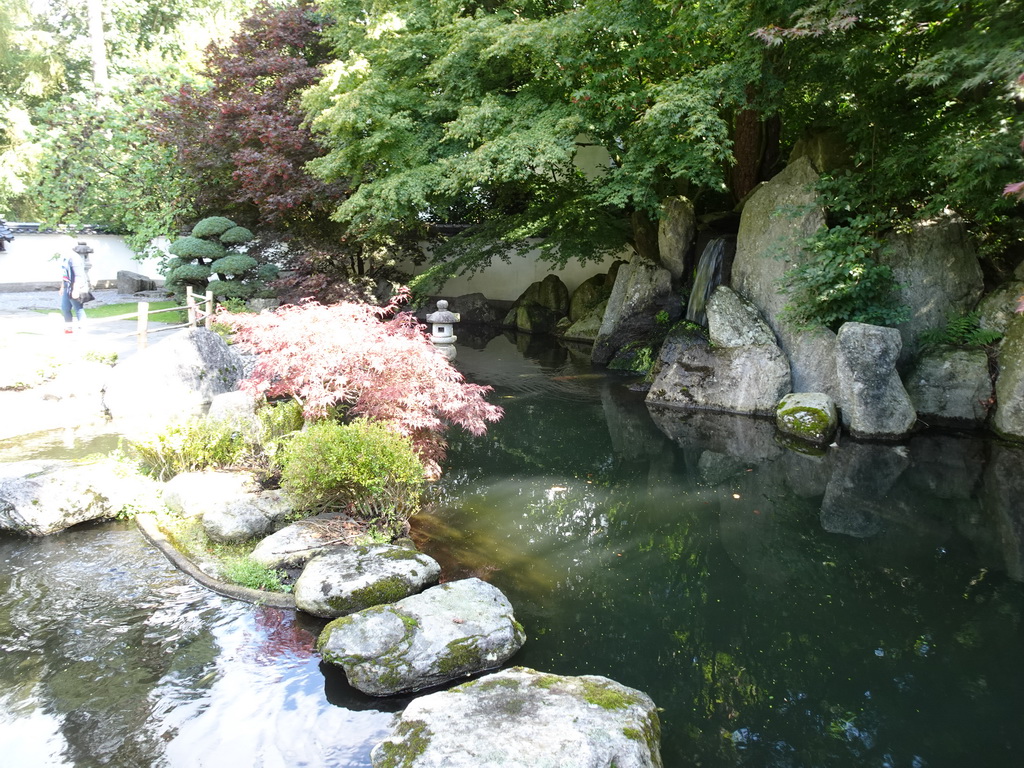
33,260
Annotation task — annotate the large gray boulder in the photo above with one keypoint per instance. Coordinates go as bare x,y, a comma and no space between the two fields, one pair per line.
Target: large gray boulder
246,517
193,494
43,497
350,579
173,380
447,632
589,294
1008,419
677,231
521,717
587,328
779,216
296,544
999,307
936,267
951,386
741,370
871,395
735,322
641,290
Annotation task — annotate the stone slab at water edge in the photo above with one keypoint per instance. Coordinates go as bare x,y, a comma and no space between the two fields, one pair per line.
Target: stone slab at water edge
43,497
443,634
350,579
520,718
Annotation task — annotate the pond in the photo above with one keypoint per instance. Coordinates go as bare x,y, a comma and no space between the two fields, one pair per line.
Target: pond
862,607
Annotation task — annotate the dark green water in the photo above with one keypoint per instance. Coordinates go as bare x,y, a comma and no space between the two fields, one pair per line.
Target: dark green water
862,608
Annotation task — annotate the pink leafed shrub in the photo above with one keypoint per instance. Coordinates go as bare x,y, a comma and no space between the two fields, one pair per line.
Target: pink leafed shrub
384,370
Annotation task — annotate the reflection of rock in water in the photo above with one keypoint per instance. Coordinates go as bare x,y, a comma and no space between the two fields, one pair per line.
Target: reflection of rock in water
747,438
856,492
1003,494
807,474
946,466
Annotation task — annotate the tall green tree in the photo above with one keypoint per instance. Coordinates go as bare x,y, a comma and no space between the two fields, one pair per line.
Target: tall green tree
103,167
924,93
477,115
30,72
473,117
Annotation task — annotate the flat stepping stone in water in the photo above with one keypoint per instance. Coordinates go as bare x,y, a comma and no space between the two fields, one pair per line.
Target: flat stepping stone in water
445,633
519,717
349,579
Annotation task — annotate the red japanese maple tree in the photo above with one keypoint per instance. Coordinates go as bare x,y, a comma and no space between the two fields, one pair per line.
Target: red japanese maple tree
386,370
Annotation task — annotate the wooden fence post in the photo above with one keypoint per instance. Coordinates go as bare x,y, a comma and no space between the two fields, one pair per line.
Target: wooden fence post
142,323
208,317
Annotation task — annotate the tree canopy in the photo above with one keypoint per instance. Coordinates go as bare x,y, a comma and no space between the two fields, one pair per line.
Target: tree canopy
476,114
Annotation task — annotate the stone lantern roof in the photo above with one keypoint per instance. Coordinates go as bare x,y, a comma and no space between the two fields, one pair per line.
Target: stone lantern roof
442,315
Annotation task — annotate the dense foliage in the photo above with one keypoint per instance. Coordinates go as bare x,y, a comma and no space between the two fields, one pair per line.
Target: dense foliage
240,136
342,360
363,467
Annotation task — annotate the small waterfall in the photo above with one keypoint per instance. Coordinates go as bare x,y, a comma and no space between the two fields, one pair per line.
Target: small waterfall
708,277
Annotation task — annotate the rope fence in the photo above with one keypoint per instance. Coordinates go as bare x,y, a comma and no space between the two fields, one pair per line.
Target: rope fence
199,310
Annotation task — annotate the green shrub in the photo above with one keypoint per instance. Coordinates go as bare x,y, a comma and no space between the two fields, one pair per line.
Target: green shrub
189,273
234,264
231,289
194,248
236,236
363,466
188,447
248,573
839,281
212,226
963,331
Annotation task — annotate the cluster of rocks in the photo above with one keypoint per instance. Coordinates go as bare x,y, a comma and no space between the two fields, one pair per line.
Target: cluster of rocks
395,630
875,382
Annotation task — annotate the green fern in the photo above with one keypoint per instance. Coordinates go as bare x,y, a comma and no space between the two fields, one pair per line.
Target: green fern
961,331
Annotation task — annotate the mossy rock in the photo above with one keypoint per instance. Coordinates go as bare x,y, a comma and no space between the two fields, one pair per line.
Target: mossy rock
808,416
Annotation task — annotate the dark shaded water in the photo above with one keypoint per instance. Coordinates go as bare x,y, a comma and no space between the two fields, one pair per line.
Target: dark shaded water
862,608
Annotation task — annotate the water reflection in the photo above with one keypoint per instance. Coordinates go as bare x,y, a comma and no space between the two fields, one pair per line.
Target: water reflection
858,606
111,657
861,606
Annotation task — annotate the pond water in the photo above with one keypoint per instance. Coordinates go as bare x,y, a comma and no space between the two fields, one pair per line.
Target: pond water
860,608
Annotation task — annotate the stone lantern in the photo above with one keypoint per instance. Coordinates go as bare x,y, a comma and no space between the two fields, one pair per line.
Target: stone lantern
83,250
442,329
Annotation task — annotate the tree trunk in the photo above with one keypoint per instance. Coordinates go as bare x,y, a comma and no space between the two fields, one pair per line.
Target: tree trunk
98,46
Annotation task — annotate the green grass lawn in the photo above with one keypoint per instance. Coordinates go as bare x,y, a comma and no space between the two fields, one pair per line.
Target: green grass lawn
101,311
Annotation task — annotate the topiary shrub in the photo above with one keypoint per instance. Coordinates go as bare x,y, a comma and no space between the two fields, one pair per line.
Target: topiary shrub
236,236
363,466
191,248
234,264
212,226
203,253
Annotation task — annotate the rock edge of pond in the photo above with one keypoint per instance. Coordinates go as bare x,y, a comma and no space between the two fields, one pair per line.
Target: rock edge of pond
147,524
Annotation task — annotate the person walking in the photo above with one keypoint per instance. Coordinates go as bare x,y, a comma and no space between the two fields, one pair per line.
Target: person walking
75,286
